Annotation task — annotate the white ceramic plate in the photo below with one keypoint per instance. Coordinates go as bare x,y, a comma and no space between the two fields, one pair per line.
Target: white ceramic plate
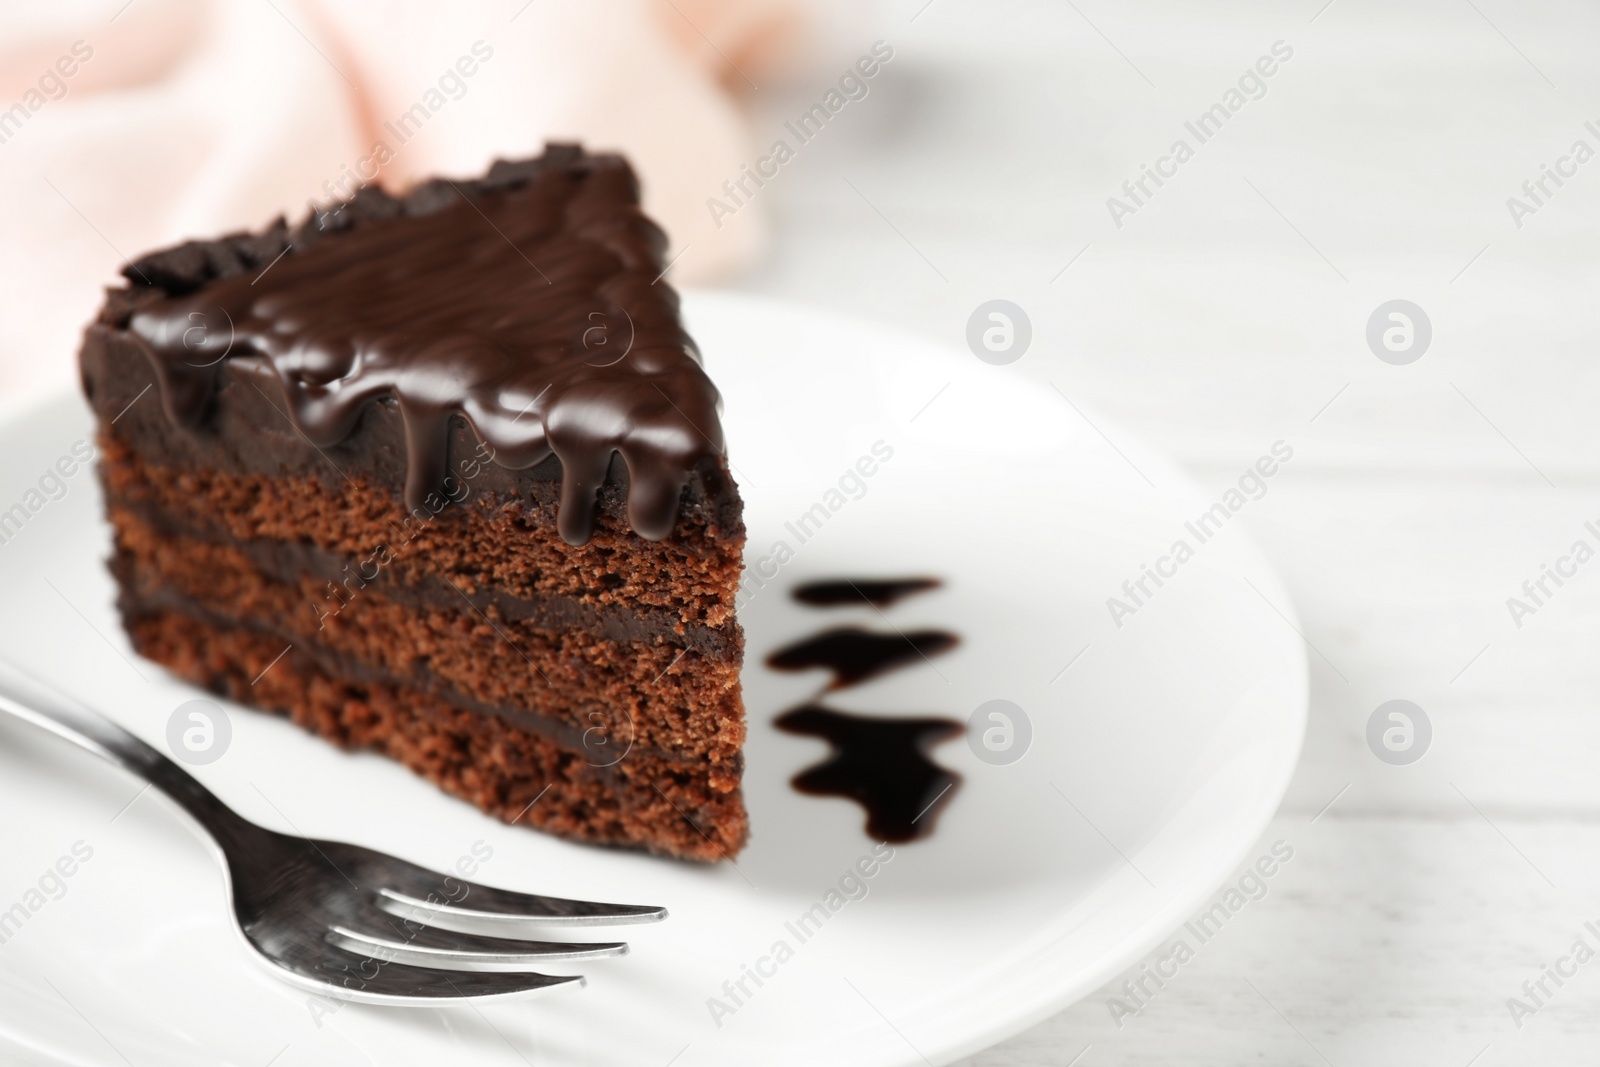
1155,762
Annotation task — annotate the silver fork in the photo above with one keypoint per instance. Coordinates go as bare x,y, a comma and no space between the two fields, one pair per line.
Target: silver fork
342,920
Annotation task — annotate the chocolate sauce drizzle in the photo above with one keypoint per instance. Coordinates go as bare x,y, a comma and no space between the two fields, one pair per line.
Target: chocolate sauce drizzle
854,655
527,303
881,764
878,593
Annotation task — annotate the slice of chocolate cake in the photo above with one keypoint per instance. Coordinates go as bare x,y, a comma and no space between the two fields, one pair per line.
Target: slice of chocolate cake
441,475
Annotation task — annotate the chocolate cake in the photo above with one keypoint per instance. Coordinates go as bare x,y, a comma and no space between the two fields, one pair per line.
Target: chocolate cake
441,475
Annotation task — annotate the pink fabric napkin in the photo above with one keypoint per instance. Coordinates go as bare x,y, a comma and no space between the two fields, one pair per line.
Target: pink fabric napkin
129,124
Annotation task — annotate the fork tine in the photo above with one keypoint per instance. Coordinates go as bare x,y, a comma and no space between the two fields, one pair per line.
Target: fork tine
405,943
467,907
346,976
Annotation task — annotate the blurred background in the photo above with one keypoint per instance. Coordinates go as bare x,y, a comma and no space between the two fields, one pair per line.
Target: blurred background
1214,299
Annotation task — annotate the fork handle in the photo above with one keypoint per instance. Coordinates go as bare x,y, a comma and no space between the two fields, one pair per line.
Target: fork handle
32,701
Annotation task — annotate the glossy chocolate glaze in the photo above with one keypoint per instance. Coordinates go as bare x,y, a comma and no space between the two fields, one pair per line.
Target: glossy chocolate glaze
882,593
854,655
527,303
881,764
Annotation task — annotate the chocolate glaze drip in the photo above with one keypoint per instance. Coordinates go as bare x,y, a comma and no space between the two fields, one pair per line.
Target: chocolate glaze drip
882,764
855,655
880,594
526,303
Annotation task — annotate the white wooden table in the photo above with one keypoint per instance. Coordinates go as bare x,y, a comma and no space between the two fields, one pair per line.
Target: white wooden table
1229,311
